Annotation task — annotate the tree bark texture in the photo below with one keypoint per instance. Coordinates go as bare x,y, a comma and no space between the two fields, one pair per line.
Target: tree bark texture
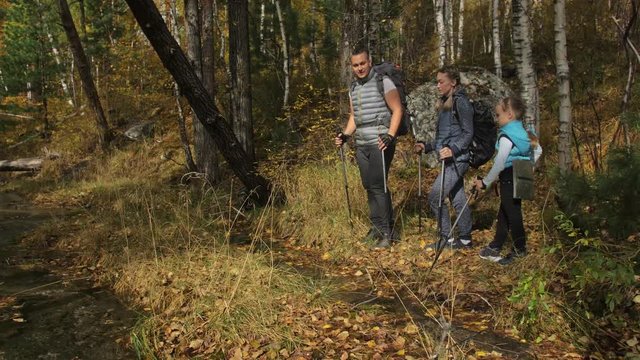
206,149
497,55
240,68
524,61
442,33
564,89
172,57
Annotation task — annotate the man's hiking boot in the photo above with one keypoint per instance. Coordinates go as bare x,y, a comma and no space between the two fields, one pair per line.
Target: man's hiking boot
512,256
383,243
460,244
491,254
372,236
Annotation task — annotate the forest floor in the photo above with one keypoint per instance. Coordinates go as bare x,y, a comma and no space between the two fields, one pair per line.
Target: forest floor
211,278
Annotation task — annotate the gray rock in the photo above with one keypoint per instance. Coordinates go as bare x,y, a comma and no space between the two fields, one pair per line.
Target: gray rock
140,131
481,85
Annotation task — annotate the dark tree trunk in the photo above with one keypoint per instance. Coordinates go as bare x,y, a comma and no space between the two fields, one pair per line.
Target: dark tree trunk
240,68
205,146
84,69
176,62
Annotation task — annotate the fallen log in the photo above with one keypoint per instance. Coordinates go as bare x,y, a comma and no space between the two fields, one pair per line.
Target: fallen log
26,164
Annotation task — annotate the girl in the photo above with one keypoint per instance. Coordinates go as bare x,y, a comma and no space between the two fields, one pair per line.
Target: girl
514,143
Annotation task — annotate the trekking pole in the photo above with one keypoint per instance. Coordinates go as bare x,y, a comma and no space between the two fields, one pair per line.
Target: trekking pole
440,247
384,171
415,137
346,184
455,223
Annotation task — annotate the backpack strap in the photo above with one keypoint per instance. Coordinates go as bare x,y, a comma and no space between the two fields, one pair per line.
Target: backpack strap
380,83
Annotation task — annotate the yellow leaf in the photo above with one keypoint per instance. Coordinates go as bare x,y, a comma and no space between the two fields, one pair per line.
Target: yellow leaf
326,256
327,326
195,344
343,335
400,352
411,329
358,273
371,343
636,299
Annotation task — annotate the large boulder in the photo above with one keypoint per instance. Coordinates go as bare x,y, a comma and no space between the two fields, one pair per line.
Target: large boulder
140,131
481,85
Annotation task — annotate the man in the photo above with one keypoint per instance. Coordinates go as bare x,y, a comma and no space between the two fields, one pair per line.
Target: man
373,121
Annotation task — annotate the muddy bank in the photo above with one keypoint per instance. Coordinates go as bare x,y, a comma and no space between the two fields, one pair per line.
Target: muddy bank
46,316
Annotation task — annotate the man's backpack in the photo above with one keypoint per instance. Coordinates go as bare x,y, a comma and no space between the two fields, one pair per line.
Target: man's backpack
395,73
485,133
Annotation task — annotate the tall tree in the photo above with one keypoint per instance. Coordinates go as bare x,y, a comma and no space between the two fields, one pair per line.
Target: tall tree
84,69
496,38
182,129
460,30
562,71
171,55
285,55
448,16
240,68
442,32
524,60
205,146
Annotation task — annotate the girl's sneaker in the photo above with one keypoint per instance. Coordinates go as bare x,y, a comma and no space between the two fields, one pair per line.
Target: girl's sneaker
491,254
512,256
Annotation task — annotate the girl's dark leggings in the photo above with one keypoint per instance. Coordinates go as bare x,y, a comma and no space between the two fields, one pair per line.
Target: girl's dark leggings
509,215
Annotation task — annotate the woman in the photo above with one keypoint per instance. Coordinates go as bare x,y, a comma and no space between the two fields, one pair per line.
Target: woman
453,136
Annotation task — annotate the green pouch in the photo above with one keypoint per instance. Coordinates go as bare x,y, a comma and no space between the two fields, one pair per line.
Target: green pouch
523,186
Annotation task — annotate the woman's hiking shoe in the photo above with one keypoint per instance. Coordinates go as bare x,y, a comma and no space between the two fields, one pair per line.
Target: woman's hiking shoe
460,244
491,254
511,257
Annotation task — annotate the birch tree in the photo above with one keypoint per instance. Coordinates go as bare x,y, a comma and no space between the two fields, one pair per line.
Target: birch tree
442,35
285,55
460,30
524,61
496,38
562,71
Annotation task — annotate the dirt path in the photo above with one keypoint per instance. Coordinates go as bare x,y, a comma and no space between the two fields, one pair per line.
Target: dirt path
44,315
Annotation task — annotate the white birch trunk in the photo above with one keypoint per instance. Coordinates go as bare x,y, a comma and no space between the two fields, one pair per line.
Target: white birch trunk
564,90
262,9
460,30
285,55
442,36
524,60
496,38
448,10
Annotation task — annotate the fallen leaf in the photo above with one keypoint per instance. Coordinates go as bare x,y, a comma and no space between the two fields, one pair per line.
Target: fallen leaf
411,329
195,344
399,343
632,342
358,273
636,299
343,335
19,320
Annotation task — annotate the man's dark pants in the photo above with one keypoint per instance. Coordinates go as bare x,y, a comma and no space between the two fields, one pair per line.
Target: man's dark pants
369,159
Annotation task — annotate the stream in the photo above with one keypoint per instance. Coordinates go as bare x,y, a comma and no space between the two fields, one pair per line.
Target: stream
44,315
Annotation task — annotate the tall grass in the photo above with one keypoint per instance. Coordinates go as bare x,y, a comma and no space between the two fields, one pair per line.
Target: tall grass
316,213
